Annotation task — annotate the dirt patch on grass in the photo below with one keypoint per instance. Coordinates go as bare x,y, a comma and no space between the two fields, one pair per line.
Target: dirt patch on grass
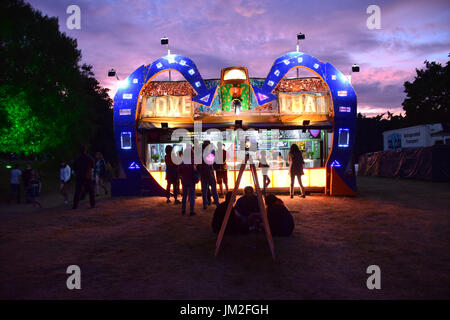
142,248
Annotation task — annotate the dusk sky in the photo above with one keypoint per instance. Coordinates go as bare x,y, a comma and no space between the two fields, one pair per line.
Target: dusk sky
217,34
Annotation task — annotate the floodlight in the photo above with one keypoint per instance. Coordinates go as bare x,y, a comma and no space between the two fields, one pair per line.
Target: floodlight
112,73
300,36
164,41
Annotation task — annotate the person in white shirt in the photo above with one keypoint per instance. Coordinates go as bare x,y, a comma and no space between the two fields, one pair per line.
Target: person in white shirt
15,183
64,176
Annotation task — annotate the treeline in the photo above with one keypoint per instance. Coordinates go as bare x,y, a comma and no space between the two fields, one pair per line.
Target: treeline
427,101
50,103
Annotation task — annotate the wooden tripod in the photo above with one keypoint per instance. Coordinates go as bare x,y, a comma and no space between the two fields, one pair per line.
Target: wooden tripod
262,207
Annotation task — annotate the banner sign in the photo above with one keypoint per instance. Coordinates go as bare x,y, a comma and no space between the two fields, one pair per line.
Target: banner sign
303,103
168,106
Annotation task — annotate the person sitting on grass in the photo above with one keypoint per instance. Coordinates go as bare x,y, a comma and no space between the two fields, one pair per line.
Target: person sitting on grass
280,219
234,224
247,209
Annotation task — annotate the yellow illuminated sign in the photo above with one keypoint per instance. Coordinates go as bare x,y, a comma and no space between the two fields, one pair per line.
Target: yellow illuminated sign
302,103
168,106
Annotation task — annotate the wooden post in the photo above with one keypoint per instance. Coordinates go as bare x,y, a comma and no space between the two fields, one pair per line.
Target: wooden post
262,209
230,205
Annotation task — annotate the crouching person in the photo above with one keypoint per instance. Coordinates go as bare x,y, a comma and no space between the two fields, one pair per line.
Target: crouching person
280,219
234,224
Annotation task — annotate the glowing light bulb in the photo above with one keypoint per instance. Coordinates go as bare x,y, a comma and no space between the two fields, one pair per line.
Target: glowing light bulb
123,83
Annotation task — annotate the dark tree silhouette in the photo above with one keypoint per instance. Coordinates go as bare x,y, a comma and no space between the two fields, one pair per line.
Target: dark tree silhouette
49,102
428,96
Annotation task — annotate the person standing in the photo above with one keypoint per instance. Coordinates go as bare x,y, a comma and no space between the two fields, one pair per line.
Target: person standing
100,173
15,183
296,164
35,188
171,175
26,175
187,175
64,176
222,169
264,170
83,167
207,176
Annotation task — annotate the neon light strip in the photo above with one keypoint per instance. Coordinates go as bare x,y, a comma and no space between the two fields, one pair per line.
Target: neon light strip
280,178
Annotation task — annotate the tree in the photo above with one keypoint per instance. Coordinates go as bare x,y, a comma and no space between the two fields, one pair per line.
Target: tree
428,96
49,102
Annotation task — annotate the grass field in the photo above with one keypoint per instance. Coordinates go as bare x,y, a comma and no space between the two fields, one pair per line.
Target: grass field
142,248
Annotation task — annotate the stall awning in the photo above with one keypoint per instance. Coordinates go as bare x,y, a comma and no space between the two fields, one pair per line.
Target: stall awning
248,121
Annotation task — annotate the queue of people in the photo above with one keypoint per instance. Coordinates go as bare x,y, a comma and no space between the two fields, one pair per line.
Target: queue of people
89,178
212,173
245,215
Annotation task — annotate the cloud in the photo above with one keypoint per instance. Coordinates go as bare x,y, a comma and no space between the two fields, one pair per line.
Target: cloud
216,34
249,9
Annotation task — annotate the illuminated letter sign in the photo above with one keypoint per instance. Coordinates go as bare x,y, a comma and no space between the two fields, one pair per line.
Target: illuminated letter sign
302,103
125,112
168,106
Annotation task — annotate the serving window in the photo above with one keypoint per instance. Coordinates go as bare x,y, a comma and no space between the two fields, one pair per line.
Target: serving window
312,143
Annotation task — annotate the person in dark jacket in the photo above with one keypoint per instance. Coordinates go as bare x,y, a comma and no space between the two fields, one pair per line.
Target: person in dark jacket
35,188
296,164
234,224
247,209
247,204
26,175
209,183
83,167
280,219
171,175
186,172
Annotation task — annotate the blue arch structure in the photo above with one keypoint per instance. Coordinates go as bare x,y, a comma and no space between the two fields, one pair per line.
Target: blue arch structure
340,179
125,113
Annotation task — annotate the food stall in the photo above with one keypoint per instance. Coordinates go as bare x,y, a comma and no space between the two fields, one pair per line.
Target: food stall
316,113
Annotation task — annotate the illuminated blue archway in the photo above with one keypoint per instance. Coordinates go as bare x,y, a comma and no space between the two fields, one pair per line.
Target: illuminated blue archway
344,113
340,177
